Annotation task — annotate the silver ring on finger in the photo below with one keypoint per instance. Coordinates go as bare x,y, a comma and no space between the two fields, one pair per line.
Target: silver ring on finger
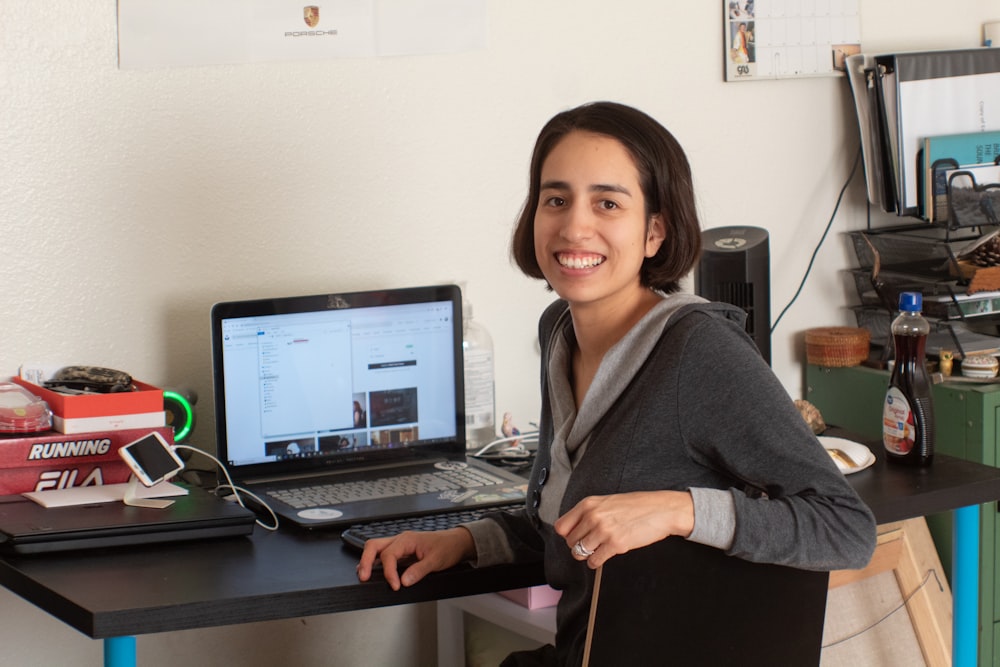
581,551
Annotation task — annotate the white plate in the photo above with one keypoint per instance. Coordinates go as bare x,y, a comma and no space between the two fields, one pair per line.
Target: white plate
855,450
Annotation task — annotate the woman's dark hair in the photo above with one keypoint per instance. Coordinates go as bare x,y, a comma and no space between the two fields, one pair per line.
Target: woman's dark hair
664,175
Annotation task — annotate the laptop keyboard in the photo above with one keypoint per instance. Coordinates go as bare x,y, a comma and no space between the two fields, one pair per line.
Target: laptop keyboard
357,534
320,495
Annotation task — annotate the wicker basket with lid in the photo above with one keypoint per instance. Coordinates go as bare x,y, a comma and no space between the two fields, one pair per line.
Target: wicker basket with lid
834,347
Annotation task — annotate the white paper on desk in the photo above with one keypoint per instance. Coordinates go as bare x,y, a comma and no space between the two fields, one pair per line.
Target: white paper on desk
101,493
38,372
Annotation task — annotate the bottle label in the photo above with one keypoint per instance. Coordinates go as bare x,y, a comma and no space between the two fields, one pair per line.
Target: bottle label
898,429
479,400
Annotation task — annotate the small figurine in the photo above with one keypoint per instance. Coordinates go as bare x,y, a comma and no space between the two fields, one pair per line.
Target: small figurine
508,429
946,360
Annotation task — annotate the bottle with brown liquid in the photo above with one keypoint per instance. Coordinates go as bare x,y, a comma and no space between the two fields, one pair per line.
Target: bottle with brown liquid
908,412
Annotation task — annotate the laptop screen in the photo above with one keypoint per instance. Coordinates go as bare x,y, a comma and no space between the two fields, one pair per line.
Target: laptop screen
337,379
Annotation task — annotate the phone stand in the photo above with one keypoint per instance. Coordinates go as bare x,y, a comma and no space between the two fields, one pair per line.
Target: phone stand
131,498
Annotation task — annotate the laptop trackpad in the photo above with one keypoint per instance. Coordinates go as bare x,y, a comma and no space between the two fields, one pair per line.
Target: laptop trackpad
320,514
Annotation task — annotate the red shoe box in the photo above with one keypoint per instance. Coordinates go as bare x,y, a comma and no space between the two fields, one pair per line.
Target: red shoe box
70,406
57,461
83,413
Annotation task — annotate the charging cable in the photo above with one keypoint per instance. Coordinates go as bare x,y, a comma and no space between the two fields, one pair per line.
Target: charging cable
513,452
237,490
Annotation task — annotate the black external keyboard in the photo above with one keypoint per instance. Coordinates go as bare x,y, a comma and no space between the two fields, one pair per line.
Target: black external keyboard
357,534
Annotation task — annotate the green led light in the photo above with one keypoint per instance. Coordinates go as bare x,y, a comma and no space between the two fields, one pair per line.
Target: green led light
185,430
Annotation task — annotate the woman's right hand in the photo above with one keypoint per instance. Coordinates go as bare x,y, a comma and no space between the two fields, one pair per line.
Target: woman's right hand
425,552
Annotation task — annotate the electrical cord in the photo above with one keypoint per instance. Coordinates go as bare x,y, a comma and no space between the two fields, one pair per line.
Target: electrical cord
237,490
515,454
840,197
903,604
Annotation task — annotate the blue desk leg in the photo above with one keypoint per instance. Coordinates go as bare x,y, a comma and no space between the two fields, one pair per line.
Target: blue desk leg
119,652
965,588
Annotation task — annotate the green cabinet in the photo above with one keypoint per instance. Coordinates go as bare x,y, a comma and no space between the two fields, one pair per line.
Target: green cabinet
966,416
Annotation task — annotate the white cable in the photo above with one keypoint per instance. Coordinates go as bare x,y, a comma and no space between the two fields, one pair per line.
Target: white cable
237,490
530,436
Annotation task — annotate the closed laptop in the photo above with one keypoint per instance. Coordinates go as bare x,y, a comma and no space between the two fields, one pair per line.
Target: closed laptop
28,528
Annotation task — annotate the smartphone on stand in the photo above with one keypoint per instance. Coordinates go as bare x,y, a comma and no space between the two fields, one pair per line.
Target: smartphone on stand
151,460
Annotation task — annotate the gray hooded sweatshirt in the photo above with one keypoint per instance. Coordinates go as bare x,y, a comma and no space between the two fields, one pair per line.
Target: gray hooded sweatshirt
683,402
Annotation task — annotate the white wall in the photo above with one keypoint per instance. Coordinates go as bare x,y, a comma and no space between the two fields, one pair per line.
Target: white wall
130,201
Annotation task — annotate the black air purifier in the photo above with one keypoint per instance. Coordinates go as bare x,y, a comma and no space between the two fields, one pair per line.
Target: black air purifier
735,268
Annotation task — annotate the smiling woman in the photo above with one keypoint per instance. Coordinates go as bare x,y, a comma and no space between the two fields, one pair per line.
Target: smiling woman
661,185
592,229
633,447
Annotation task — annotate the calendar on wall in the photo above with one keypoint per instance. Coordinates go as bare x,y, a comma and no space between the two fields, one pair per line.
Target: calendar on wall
774,39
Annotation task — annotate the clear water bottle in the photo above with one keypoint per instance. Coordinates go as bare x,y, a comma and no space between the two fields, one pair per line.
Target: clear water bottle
908,412
480,401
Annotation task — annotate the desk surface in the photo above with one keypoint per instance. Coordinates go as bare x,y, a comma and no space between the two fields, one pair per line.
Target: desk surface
897,492
271,575
287,574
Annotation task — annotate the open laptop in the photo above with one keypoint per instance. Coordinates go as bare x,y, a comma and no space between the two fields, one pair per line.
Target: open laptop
28,528
362,390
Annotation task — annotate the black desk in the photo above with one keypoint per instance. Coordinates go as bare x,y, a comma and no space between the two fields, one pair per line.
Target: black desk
113,594
116,594
895,493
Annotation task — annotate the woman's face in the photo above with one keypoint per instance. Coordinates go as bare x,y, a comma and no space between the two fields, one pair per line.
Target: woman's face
591,232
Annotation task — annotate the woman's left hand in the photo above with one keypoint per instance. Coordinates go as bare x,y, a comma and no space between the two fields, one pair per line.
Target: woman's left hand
600,527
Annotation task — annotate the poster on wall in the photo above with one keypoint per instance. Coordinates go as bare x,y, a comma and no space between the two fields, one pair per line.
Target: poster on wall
176,33
773,39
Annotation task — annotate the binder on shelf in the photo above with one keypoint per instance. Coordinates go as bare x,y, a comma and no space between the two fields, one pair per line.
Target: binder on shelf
886,118
916,95
861,76
942,92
